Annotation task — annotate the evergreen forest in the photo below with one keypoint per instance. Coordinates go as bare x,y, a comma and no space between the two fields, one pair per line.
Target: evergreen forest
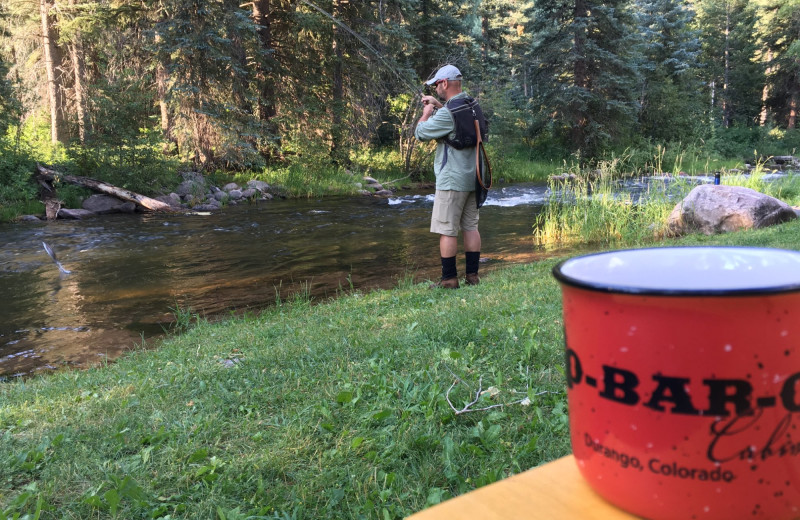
135,91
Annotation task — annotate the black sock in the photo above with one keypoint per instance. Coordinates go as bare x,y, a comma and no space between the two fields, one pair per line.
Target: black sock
449,268
473,261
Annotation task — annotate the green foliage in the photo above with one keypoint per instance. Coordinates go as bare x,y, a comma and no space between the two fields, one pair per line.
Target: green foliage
671,104
387,161
518,164
16,176
595,107
133,162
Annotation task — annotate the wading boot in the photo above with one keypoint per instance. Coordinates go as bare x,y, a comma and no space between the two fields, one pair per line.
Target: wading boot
473,279
450,283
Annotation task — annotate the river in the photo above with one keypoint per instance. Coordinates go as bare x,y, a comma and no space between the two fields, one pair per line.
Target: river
130,272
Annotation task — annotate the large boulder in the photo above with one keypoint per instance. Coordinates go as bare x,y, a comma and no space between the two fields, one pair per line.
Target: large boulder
193,185
173,200
712,209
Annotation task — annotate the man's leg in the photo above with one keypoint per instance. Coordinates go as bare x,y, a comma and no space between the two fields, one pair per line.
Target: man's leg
445,220
448,246
472,240
472,252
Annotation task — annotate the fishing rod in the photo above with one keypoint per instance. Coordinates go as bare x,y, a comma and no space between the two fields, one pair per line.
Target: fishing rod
366,44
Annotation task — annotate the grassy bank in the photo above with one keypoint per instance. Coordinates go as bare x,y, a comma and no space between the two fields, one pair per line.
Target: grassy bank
335,410
596,211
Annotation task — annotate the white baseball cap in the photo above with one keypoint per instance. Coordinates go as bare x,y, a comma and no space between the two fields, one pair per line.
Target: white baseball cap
448,72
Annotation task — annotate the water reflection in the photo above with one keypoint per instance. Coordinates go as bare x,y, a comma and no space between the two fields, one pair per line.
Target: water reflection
130,271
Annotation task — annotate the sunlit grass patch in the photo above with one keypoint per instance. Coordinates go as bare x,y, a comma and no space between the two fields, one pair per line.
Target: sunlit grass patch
584,211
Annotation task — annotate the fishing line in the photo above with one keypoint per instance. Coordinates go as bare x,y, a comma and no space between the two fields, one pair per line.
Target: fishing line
366,44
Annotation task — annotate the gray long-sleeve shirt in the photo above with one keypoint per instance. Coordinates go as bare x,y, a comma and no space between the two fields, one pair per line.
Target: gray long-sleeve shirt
454,169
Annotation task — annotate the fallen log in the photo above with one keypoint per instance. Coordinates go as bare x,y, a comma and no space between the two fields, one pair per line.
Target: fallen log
121,193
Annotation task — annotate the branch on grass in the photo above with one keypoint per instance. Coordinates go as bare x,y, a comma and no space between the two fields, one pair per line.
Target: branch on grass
468,407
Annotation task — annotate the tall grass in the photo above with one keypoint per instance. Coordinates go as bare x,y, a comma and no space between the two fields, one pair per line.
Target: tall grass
585,211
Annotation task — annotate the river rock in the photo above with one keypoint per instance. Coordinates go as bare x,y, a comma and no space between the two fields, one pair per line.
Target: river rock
190,189
193,185
383,193
129,207
258,185
74,214
172,199
231,186
220,195
249,193
235,194
712,209
206,207
102,204
28,218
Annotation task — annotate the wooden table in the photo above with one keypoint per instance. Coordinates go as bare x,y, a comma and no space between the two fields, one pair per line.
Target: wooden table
554,491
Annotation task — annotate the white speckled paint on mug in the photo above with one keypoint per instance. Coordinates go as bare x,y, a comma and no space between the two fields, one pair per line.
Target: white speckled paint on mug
683,372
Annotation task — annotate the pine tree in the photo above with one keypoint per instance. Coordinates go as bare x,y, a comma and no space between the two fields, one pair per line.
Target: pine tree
207,82
583,72
780,38
670,103
732,72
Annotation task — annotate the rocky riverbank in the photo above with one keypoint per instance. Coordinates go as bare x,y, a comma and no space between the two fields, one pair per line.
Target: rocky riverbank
195,193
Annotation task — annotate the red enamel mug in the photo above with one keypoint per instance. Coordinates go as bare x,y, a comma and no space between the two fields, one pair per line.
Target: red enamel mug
683,376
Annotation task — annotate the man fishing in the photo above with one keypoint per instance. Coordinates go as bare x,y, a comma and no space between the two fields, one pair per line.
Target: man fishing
454,208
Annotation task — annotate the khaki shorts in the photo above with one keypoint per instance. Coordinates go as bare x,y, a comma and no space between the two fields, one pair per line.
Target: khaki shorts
454,211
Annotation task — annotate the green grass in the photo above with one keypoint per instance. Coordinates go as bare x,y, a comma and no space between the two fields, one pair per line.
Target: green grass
10,211
309,411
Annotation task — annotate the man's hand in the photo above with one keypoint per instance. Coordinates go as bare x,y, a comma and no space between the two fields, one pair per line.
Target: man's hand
429,104
430,100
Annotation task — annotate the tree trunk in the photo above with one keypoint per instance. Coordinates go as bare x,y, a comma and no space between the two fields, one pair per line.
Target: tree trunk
162,77
240,81
765,91
792,110
337,105
265,77
52,63
580,74
162,90
79,72
485,37
726,105
120,193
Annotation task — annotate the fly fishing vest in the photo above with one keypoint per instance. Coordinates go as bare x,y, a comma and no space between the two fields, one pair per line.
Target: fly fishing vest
466,111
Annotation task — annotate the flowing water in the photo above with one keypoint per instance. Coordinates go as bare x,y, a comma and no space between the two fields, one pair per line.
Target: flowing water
129,273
